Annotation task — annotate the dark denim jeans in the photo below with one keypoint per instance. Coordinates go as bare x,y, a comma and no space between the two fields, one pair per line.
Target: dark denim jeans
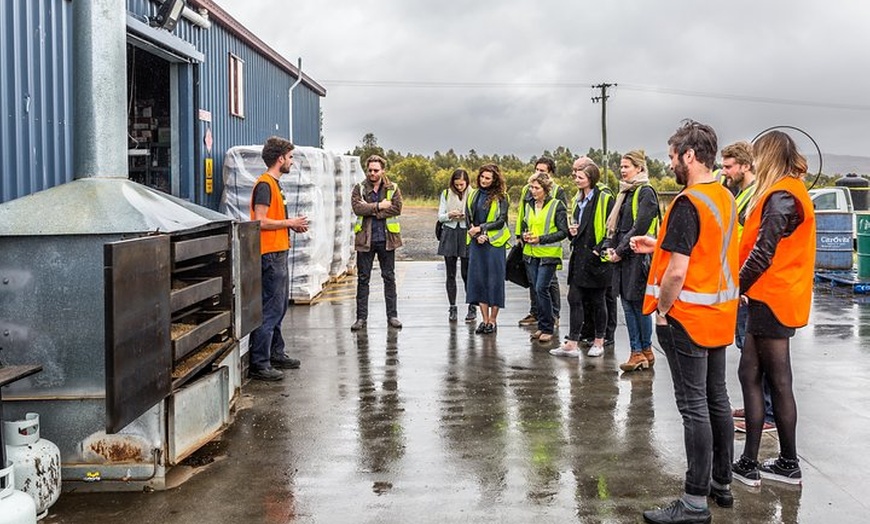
699,388
639,325
555,296
365,261
541,276
266,340
739,338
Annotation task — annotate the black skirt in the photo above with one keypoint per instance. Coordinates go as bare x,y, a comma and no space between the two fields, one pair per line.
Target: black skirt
761,322
452,242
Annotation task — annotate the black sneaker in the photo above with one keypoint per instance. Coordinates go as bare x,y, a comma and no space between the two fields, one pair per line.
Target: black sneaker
452,314
722,496
481,328
267,374
472,313
678,512
746,471
285,362
781,470
360,324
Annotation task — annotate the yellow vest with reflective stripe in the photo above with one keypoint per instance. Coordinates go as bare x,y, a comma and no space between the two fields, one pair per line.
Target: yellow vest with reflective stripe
742,200
654,225
540,223
496,238
599,219
393,225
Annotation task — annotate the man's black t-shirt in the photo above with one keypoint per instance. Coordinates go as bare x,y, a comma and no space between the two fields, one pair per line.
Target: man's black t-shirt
262,194
684,226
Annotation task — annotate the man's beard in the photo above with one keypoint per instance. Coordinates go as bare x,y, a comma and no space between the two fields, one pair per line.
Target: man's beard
681,172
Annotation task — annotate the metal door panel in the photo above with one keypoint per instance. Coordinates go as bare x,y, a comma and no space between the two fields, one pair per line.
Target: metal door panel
249,287
138,344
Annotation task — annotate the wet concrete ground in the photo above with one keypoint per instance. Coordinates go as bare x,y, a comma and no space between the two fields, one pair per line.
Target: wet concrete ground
435,424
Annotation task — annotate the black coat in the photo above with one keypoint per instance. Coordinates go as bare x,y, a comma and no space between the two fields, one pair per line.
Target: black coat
585,268
629,277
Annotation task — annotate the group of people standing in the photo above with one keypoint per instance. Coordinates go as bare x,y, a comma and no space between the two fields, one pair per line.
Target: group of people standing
719,265
732,258
601,264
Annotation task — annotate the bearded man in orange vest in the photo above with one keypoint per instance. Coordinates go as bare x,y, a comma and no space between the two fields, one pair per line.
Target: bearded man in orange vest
268,205
693,289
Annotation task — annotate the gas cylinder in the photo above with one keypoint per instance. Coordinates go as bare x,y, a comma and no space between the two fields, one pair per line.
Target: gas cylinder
36,461
16,507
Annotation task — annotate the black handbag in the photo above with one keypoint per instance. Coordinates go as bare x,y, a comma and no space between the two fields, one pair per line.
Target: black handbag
439,226
515,268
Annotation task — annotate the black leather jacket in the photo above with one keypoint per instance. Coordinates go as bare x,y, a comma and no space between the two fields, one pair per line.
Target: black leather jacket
781,215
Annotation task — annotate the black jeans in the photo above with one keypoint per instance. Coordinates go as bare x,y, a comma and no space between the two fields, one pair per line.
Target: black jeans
699,388
266,340
588,330
587,303
450,265
365,260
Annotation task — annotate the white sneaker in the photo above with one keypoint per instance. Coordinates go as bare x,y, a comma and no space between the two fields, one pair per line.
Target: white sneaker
595,351
560,352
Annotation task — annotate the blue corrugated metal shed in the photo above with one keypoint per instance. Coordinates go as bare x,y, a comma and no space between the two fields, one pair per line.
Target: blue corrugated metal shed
35,132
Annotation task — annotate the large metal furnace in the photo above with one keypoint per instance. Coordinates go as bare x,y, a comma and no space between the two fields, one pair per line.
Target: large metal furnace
133,301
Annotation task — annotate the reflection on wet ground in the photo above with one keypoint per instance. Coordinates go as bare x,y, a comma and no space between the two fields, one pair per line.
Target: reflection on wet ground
436,424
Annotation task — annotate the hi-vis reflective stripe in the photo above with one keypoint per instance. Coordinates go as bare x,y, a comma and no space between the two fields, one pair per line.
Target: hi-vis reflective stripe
730,291
548,221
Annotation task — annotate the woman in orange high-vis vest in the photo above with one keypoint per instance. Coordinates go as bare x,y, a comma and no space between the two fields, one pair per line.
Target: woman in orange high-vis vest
777,257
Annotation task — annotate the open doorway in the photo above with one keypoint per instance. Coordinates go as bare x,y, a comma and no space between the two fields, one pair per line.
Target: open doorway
149,120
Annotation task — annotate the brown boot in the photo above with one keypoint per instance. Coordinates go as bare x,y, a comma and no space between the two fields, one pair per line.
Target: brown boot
649,356
635,361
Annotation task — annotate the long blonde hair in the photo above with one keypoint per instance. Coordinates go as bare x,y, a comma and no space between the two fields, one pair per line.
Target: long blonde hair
776,157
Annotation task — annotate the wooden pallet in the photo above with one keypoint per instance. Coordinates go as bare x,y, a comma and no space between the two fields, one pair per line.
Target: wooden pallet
339,287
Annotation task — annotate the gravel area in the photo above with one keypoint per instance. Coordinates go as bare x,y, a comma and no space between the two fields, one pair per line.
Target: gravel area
418,234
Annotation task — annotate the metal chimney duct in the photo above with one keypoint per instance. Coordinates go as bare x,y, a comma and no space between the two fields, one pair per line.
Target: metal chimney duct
99,89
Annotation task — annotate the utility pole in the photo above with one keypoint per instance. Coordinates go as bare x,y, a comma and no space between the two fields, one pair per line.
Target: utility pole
603,99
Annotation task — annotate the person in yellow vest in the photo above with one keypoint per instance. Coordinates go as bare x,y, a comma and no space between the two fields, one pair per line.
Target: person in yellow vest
777,253
377,204
544,166
488,236
269,207
587,332
693,291
635,212
544,226
737,165
588,275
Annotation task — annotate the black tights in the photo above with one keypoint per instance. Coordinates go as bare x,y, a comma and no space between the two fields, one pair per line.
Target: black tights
450,263
768,356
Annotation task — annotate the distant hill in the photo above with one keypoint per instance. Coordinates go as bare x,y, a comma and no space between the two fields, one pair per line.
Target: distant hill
840,164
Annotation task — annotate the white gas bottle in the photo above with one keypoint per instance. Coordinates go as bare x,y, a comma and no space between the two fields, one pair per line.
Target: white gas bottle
16,507
36,461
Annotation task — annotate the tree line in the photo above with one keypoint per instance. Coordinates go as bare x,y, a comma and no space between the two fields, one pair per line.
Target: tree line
422,176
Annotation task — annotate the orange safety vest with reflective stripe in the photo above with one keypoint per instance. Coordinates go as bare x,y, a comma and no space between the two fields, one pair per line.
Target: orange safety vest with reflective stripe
273,240
787,285
707,304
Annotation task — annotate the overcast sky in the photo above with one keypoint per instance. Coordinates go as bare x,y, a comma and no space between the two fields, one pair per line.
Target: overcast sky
538,60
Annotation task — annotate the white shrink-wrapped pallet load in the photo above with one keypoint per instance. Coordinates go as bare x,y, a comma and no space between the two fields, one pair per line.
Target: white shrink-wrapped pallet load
243,165
348,172
310,191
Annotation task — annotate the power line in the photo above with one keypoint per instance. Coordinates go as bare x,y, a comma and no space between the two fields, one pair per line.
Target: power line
574,85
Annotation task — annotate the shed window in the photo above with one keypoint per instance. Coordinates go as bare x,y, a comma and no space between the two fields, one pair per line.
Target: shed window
237,86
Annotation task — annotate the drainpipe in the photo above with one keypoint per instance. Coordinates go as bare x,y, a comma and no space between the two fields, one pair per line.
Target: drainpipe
290,95
99,52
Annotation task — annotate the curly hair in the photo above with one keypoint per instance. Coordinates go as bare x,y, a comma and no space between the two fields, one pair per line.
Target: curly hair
495,190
